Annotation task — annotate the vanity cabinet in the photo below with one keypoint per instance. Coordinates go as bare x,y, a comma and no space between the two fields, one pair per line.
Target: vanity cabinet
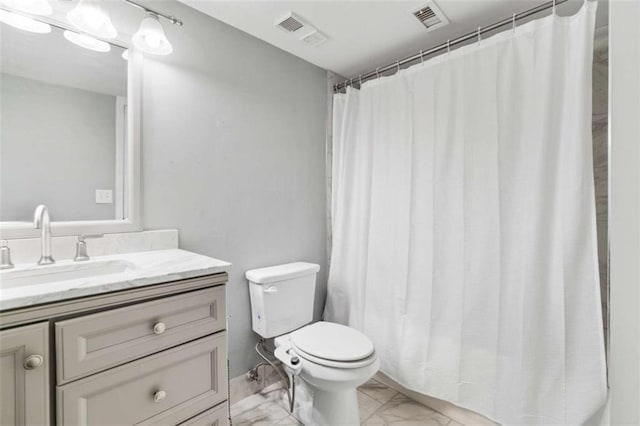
217,416
24,375
158,356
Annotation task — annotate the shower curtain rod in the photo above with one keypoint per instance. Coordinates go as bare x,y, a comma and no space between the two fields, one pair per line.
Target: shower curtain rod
445,46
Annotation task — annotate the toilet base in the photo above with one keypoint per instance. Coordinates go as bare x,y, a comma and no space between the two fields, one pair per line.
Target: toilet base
335,408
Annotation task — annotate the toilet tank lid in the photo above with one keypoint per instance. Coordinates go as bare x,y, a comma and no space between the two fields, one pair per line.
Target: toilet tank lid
281,272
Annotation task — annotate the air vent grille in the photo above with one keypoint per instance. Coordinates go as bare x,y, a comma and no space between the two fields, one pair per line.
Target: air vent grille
427,16
290,24
314,38
297,27
431,16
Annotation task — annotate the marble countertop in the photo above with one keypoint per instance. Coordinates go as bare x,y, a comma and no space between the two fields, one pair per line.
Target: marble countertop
117,272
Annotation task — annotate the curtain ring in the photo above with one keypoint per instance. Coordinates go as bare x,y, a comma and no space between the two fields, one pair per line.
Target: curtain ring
360,80
346,84
421,58
553,9
398,65
479,35
448,46
378,72
513,21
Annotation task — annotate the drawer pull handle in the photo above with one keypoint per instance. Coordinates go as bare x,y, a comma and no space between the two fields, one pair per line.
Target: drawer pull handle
159,328
32,362
159,396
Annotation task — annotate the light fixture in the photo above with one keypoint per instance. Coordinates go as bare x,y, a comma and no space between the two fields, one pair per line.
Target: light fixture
125,55
150,37
34,7
89,18
24,23
87,42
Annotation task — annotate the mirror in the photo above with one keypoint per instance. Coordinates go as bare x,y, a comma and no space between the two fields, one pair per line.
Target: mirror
65,136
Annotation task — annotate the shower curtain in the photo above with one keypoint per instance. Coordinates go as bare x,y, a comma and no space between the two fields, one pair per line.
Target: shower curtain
464,238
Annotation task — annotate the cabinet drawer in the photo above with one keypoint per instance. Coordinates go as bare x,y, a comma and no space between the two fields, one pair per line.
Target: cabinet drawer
166,388
93,343
217,416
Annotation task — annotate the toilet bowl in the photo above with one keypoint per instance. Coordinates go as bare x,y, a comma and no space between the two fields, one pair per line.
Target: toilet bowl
333,360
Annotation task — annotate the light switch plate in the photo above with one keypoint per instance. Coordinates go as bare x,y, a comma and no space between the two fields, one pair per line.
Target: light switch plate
104,196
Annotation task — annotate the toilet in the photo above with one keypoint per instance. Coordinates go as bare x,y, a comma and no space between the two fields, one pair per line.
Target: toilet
331,359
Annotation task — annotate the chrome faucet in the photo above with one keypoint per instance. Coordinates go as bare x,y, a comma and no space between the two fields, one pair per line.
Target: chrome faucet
42,221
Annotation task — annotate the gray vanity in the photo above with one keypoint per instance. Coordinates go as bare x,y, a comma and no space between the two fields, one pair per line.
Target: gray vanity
146,345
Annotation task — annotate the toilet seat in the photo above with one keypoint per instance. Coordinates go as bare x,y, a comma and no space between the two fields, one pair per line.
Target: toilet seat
336,364
333,345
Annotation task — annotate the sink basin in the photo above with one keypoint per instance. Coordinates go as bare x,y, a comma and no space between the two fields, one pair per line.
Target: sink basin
34,275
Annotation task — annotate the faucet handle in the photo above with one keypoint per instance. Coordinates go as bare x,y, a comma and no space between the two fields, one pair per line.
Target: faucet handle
5,255
81,246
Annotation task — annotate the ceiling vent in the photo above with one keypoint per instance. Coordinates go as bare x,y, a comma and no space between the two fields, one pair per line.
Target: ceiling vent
290,23
431,16
314,38
306,33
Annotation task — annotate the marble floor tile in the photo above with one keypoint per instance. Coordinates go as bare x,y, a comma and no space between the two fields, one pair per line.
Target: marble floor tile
378,405
404,411
289,421
378,391
367,405
373,420
260,409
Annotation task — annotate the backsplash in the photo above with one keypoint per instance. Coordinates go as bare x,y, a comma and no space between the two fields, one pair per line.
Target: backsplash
27,250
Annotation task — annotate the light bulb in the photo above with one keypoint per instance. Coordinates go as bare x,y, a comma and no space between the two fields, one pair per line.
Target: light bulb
34,7
89,18
93,18
87,42
150,37
24,23
153,40
125,55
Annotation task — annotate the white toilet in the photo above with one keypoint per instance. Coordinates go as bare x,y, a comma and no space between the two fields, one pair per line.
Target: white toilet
332,359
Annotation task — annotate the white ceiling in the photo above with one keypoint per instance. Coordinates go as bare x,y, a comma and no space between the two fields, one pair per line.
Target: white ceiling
366,34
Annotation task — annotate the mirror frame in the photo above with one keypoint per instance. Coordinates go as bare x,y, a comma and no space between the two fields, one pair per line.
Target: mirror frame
132,190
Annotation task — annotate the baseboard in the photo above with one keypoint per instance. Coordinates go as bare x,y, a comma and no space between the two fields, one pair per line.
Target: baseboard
459,414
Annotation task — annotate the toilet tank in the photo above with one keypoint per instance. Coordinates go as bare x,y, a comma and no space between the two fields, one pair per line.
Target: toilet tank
282,297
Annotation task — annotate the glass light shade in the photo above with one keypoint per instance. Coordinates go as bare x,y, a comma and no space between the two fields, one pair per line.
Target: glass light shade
150,37
89,18
24,23
34,7
87,42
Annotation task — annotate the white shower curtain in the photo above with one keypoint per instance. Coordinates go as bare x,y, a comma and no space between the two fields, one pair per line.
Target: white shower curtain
464,238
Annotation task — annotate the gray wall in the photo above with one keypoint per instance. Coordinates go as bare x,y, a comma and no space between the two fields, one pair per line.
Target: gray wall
233,156
57,146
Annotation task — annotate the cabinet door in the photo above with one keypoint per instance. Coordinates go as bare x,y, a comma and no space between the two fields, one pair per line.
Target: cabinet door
24,375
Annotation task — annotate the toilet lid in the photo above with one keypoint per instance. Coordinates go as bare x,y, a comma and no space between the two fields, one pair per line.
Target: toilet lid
332,341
